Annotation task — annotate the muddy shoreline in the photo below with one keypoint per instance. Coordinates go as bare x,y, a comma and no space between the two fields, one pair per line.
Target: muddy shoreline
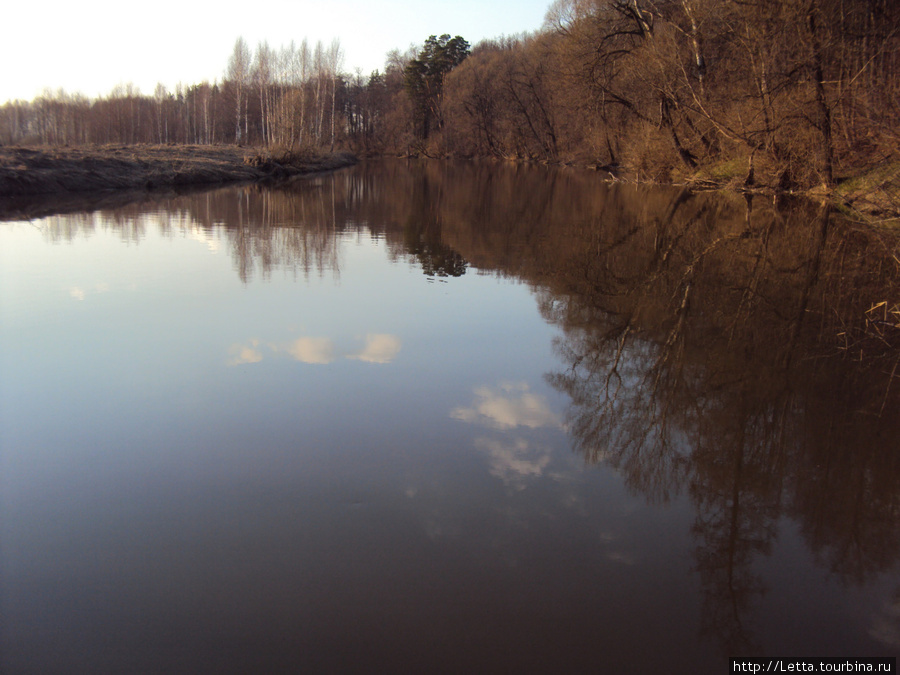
32,171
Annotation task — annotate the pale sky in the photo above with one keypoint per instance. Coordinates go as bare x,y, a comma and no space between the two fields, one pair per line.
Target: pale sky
93,45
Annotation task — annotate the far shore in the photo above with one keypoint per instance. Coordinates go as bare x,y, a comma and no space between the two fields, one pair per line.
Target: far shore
38,180
29,171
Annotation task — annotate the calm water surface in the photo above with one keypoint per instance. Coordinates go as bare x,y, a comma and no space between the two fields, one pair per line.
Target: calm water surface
439,417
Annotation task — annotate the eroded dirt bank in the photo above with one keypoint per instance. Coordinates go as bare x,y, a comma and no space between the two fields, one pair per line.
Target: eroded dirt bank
38,171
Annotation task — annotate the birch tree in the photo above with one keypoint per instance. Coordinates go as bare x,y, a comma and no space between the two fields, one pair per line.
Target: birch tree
319,69
262,77
335,62
239,75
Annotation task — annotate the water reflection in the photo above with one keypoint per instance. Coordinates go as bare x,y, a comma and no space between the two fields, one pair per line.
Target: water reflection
379,348
714,355
248,353
514,462
740,353
376,348
703,336
507,407
317,350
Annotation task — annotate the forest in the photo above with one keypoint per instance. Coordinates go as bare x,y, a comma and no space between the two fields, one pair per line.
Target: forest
788,94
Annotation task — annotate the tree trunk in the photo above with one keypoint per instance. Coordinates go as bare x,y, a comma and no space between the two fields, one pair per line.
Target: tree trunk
823,110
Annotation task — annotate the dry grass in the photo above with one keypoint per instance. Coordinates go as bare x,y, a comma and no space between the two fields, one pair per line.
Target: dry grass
875,193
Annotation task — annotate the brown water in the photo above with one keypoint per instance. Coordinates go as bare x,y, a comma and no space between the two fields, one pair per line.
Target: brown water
446,417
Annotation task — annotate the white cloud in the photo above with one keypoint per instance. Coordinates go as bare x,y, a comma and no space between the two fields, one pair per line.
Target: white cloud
507,407
380,348
77,293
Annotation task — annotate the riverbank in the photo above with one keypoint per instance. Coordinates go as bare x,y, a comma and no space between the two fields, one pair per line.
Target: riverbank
65,174
871,196
38,171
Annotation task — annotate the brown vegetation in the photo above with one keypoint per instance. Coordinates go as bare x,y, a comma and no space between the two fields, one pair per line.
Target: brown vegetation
760,94
777,95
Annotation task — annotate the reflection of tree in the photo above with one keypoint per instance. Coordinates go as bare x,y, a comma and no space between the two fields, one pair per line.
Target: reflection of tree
615,415
297,226
709,359
295,230
712,347
845,488
728,352
436,259
423,236
735,486
886,626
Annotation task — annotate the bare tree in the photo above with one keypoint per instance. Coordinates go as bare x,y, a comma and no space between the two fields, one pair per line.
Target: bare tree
160,96
262,77
319,69
238,74
303,56
335,59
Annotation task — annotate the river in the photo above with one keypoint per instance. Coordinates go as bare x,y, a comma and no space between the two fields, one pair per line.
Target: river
446,417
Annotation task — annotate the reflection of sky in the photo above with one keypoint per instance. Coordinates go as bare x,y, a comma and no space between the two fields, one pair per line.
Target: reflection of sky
79,293
514,462
377,348
131,434
204,236
511,408
245,353
507,407
312,350
886,624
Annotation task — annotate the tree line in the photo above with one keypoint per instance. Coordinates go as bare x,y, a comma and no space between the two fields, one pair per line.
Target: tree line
794,92
287,96
801,91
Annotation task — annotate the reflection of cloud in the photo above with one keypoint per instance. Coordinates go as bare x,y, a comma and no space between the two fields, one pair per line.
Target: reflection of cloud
620,557
510,406
380,348
514,463
886,625
204,238
79,293
312,350
244,353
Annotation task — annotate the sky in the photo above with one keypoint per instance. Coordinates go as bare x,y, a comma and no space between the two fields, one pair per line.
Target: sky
91,46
